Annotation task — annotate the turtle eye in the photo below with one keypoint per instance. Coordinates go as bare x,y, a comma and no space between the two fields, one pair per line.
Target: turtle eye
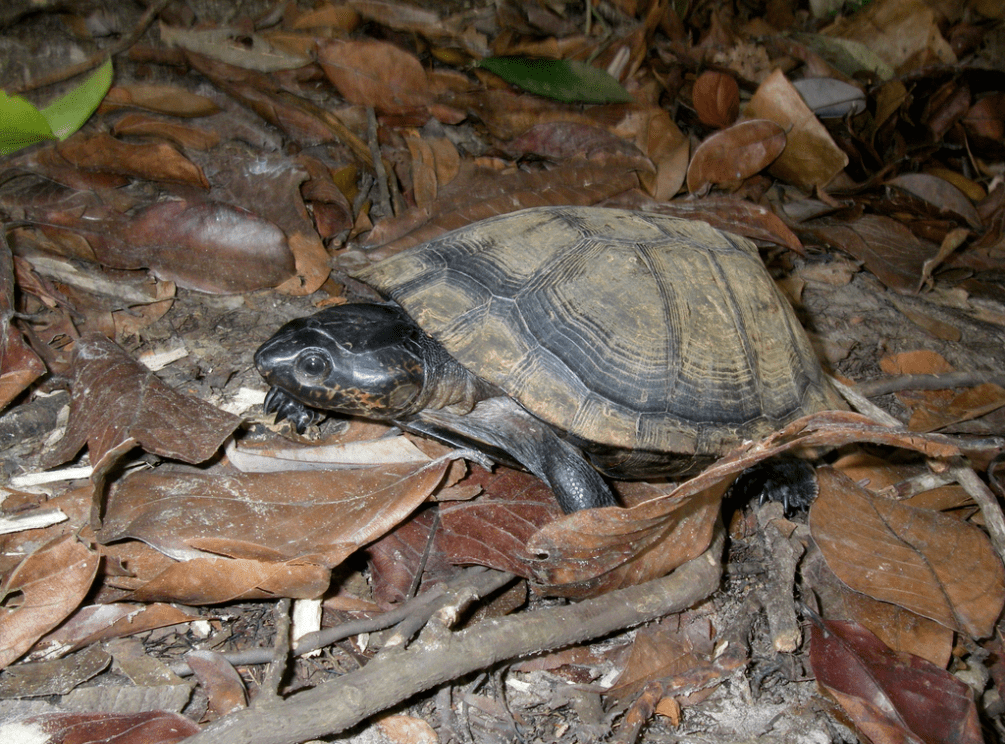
313,365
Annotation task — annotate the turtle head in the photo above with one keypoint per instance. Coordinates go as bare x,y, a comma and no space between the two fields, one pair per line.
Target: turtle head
363,358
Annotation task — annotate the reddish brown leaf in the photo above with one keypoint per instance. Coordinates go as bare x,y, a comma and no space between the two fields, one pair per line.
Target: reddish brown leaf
19,365
154,162
730,156
395,558
184,136
375,73
596,550
145,727
987,117
211,581
716,98
207,246
734,216
929,563
891,697
117,403
96,623
51,583
164,99
282,516
493,529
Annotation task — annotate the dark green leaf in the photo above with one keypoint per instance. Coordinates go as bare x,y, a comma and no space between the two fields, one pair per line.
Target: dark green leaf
563,80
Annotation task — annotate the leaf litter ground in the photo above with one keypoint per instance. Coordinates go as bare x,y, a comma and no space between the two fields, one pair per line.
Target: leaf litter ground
694,667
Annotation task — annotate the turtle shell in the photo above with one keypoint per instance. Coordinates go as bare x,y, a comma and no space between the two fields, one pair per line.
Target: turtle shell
625,330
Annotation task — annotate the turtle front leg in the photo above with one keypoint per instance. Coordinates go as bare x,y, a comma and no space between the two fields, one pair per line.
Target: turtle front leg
284,406
500,424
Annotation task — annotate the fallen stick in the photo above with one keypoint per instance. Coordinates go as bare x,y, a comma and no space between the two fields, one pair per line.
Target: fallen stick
440,655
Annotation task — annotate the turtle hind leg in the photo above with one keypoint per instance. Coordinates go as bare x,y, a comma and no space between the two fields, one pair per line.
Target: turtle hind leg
791,481
500,425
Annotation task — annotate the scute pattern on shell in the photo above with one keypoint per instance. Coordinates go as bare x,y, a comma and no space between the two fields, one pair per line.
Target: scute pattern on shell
627,329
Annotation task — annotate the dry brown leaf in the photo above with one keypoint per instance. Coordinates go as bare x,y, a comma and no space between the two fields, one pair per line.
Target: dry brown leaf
597,550
154,162
220,681
968,404
478,193
375,73
493,530
887,247
933,565
716,99
896,30
732,155
409,548
940,194
183,135
96,623
897,627
164,99
810,157
147,726
281,516
211,581
424,183
117,404
734,216
41,592
403,728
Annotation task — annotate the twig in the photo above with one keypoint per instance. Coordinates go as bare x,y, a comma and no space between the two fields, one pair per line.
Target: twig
383,190
864,406
280,650
387,680
777,595
994,520
937,382
423,606
97,58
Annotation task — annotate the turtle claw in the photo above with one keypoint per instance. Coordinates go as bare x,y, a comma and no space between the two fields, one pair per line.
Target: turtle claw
284,406
791,481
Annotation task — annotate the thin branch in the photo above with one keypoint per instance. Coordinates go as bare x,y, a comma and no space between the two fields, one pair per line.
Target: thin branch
936,382
439,656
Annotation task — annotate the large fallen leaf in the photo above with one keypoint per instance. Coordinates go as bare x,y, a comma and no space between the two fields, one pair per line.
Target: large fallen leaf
375,73
144,727
319,515
734,154
209,581
410,548
493,529
810,157
164,99
940,194
151,161
931,564
597,550
51,583
890,696
117,403
19,365
896,30
887,247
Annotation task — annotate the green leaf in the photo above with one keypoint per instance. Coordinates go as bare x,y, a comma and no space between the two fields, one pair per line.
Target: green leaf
68,113
21,124
563,80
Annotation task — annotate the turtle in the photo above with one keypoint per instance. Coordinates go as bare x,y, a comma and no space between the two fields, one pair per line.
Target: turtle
578,342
